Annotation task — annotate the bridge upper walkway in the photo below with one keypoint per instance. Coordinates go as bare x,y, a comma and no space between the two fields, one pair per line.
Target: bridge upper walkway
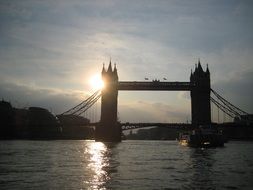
155,85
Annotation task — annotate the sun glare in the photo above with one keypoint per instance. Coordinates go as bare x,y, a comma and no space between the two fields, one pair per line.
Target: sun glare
96,82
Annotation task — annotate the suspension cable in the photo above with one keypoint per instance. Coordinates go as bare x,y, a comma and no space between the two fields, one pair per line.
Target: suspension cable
228,105
88,106
240,111
82,104
222,107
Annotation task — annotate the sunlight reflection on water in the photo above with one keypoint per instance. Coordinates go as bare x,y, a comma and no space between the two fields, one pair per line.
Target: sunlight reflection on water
97,162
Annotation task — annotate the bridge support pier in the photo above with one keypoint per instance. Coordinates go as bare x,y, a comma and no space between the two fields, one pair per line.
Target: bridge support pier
108,132
109,129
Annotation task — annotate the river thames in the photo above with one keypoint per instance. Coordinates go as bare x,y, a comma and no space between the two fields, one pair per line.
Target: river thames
76,164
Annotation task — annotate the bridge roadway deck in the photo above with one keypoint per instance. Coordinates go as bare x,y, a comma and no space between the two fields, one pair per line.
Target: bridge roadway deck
155,86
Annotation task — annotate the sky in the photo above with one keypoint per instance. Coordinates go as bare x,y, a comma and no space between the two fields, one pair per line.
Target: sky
49,50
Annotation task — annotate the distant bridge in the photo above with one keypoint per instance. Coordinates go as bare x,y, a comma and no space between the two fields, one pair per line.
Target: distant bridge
129,126
184,126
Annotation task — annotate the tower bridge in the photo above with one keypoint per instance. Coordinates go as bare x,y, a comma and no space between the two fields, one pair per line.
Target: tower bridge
110,129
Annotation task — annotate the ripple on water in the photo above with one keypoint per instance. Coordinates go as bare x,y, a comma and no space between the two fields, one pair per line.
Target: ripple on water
126,165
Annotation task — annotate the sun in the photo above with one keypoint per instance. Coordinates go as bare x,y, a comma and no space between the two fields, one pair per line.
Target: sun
96,82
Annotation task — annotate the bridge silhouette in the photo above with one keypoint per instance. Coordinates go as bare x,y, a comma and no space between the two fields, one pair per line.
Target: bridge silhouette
110,129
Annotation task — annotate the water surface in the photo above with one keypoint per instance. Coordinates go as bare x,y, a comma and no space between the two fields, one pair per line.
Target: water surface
127,165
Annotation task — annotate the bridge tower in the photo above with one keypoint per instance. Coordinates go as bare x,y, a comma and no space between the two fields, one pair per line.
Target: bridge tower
109,129
200,95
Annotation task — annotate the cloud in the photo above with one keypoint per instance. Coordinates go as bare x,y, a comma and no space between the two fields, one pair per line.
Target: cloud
55,100
50,48
143,111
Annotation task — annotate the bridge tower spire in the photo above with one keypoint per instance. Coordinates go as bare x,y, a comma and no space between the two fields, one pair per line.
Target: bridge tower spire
200,95
109,129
